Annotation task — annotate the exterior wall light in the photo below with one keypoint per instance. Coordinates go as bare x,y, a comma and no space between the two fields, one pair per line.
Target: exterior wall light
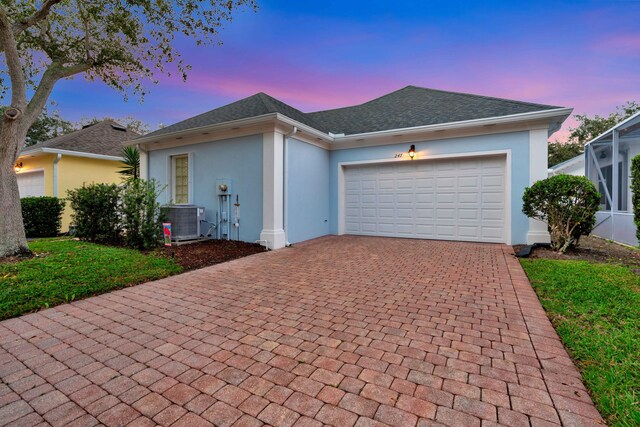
18,167
412,151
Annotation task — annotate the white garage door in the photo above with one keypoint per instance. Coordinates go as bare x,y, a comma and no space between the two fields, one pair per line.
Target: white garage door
456,199
31,184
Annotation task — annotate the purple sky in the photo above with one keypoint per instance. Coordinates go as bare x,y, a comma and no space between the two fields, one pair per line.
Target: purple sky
325,54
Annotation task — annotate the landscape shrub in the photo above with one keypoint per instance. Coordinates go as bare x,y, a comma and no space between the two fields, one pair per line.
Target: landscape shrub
567,203
140,212
42,216
96,213
635,189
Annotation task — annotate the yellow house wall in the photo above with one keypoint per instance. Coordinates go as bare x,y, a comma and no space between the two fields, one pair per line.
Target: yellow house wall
75,171
44,163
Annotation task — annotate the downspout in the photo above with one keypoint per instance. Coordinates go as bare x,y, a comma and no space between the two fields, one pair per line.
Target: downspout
55,174
285,196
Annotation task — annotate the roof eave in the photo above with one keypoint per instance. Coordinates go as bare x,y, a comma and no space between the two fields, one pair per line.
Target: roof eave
46,150
560,114
612,128
246,122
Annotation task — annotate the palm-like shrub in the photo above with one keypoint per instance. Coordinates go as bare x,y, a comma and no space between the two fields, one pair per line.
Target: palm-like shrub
131,160
567,203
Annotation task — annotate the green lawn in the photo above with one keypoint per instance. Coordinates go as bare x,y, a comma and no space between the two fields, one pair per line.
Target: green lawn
596,310
66,270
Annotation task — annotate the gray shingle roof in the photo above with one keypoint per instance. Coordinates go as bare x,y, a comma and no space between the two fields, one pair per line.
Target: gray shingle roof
415,106
408,107
105,138
253,106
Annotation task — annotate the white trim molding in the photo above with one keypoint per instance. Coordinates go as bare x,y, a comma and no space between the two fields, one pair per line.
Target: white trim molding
46,150
277,122
273,190
418,158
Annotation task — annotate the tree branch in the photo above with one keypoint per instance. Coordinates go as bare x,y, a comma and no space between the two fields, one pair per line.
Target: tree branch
54,72
38,16
9,46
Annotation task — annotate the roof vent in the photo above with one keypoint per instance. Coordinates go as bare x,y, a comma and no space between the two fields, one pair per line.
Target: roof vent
119,127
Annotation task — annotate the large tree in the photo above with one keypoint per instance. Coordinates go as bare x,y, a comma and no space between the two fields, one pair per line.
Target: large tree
48,125
123,43
587,129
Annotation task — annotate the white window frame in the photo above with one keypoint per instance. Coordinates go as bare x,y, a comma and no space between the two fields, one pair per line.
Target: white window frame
171,177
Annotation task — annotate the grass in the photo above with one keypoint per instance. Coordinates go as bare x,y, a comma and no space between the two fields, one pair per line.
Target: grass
67,270
596,310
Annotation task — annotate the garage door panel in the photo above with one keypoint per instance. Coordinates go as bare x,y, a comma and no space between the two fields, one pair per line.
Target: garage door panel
453,199
467,182
424,214
405,198
446,198
469,214
489,181
31,184
445,182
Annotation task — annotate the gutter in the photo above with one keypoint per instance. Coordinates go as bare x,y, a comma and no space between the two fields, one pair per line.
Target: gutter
55,174
488,121
338,138
46,150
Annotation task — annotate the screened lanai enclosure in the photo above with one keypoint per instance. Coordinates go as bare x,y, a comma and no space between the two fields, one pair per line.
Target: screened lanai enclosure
608,166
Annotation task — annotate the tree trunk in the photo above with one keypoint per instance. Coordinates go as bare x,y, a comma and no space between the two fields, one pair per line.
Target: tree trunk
12,237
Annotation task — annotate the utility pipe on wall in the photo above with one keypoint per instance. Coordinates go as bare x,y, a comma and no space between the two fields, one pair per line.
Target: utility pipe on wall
55,174
285,196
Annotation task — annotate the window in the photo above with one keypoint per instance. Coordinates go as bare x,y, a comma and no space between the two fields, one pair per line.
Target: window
180,193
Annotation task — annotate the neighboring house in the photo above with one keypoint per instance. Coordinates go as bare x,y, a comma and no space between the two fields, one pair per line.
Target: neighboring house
300,175
573,166
617,146
89,155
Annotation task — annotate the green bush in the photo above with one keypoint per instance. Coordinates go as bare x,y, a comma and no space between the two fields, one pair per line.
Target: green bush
141,213
635,188
96,214
42,215
567,203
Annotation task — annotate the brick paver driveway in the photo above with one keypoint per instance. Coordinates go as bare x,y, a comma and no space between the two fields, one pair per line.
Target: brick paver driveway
341,331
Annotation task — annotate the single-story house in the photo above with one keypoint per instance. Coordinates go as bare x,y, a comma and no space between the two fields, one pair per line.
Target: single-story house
573,166
415,163
616,146
92,154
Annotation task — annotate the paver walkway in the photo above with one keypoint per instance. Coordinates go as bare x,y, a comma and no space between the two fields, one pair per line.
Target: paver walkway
340,331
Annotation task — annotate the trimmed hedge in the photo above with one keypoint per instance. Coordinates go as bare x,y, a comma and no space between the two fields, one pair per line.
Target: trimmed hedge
635,188
567,203
42,216
126,214
96,214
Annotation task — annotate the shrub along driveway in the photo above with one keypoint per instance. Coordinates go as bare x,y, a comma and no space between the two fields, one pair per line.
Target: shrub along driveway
340,331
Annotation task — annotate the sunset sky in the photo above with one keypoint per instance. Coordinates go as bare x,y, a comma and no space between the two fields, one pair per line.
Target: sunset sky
325,54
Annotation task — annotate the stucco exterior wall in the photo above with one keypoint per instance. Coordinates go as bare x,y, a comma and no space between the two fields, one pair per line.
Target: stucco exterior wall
308,191
74,171
516,142
44,163
237,159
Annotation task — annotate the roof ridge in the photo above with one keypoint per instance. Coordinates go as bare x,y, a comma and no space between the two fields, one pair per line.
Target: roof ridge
475,95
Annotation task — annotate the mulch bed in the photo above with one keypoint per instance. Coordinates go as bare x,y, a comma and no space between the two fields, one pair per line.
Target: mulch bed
593,249
192,256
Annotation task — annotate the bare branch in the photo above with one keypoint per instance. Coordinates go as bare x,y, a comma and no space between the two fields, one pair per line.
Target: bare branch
38,16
